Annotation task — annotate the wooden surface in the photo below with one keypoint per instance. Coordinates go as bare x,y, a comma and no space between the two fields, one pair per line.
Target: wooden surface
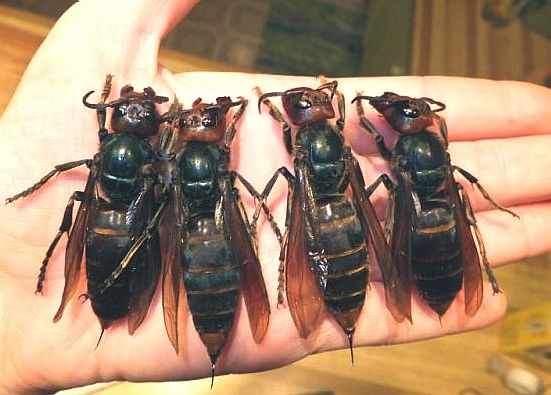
440,366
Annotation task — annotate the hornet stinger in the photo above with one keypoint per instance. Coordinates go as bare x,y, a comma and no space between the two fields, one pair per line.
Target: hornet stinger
210,242
324,262
115,206
431,215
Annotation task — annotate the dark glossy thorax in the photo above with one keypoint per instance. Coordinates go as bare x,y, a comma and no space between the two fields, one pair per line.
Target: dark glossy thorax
210,272
324,148
121,157
436,257
423,156
198,165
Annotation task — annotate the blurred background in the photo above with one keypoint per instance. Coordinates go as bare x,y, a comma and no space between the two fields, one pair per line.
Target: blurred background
498,39
505,39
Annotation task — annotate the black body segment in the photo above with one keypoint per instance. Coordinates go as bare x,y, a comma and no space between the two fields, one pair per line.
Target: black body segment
424,158
325,254
210,270
109,234
337,234
115,206
436,248
211,279
432,244
107,241
343,241
209,242
323,147
122,156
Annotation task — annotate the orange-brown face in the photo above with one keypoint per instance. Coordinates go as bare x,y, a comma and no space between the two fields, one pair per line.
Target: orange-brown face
135,112
136,116
405,114
306,106
204,122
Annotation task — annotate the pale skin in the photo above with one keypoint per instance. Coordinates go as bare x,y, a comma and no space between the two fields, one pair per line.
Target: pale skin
498,131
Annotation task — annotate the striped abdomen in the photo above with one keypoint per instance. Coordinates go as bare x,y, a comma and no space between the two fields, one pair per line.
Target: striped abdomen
107,242
211,279
345,249
437,259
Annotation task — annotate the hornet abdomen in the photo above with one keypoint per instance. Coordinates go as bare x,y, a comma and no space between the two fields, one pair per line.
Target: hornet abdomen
343,241
211,279
436,257
107,242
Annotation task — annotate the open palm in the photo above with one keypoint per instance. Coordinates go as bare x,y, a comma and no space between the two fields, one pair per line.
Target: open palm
497,133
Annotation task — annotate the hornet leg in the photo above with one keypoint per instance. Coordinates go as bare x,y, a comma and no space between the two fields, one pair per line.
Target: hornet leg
469,213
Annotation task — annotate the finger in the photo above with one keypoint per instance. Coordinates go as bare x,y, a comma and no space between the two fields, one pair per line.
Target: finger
91,39
46,116
376,325
118,37
509,240
513,171
476,108
511,177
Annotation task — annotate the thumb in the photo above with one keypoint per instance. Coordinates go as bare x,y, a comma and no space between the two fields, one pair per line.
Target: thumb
95,37
91,39
45,119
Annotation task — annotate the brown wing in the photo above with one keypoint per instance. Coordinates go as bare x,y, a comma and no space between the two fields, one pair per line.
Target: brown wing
172,228
472,273
303,295
144,287
146,260
75,244
397,294
404,214
253,287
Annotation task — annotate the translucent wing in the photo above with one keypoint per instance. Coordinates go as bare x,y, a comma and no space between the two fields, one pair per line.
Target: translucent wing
404,219
172,229
75,244
396,290
139,211
144,283
472,272
146,262
303,295
253,287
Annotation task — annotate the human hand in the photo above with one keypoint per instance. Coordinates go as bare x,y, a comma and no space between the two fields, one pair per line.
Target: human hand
46,124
